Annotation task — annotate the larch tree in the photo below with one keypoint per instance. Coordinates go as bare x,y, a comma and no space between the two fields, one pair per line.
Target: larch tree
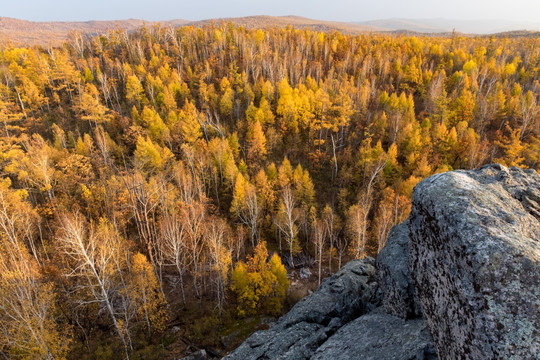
256,144
134,91
512,148
90,108
190,125
151,157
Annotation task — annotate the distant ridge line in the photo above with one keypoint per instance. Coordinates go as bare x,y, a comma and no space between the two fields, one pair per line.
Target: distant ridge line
54,33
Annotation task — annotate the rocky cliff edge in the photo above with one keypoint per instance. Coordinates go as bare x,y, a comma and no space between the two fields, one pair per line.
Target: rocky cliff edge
460,279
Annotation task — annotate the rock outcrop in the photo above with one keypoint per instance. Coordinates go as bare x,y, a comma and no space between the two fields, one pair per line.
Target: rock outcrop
475,261
460,279
349,293
344,319
377,336
399,295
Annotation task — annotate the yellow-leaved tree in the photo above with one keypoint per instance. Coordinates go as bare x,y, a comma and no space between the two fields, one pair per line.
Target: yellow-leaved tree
260,285
190,127
150,156
145,293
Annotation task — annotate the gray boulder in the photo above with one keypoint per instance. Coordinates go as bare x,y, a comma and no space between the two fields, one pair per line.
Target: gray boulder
378,336
475,261
349,293
197,355
399,295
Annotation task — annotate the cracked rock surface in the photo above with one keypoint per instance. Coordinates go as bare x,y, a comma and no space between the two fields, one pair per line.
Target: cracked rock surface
377,336
399,295
475,261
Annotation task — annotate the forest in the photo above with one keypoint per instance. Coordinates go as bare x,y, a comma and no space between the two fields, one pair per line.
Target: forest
155,183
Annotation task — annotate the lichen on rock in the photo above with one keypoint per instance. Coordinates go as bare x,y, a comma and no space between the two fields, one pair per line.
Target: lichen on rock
475,261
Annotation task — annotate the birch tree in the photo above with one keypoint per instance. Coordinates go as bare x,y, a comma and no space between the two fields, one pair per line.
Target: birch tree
94,254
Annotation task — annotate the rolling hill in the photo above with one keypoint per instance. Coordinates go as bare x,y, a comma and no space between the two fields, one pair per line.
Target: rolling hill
54,33
23,32
264,21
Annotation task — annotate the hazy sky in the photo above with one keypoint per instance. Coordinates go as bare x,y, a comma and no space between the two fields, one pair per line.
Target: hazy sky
343,10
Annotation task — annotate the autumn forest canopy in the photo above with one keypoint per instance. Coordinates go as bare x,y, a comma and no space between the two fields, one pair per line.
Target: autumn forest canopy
150,176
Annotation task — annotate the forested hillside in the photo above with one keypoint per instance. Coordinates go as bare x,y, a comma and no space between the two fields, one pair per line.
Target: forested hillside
146,177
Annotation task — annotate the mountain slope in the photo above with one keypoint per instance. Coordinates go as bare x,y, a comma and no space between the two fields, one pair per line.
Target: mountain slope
264,21
25,32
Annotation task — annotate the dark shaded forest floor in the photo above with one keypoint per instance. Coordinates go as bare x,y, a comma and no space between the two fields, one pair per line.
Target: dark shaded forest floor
203,328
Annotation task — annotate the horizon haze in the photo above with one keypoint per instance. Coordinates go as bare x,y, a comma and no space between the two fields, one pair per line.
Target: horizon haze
339,10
